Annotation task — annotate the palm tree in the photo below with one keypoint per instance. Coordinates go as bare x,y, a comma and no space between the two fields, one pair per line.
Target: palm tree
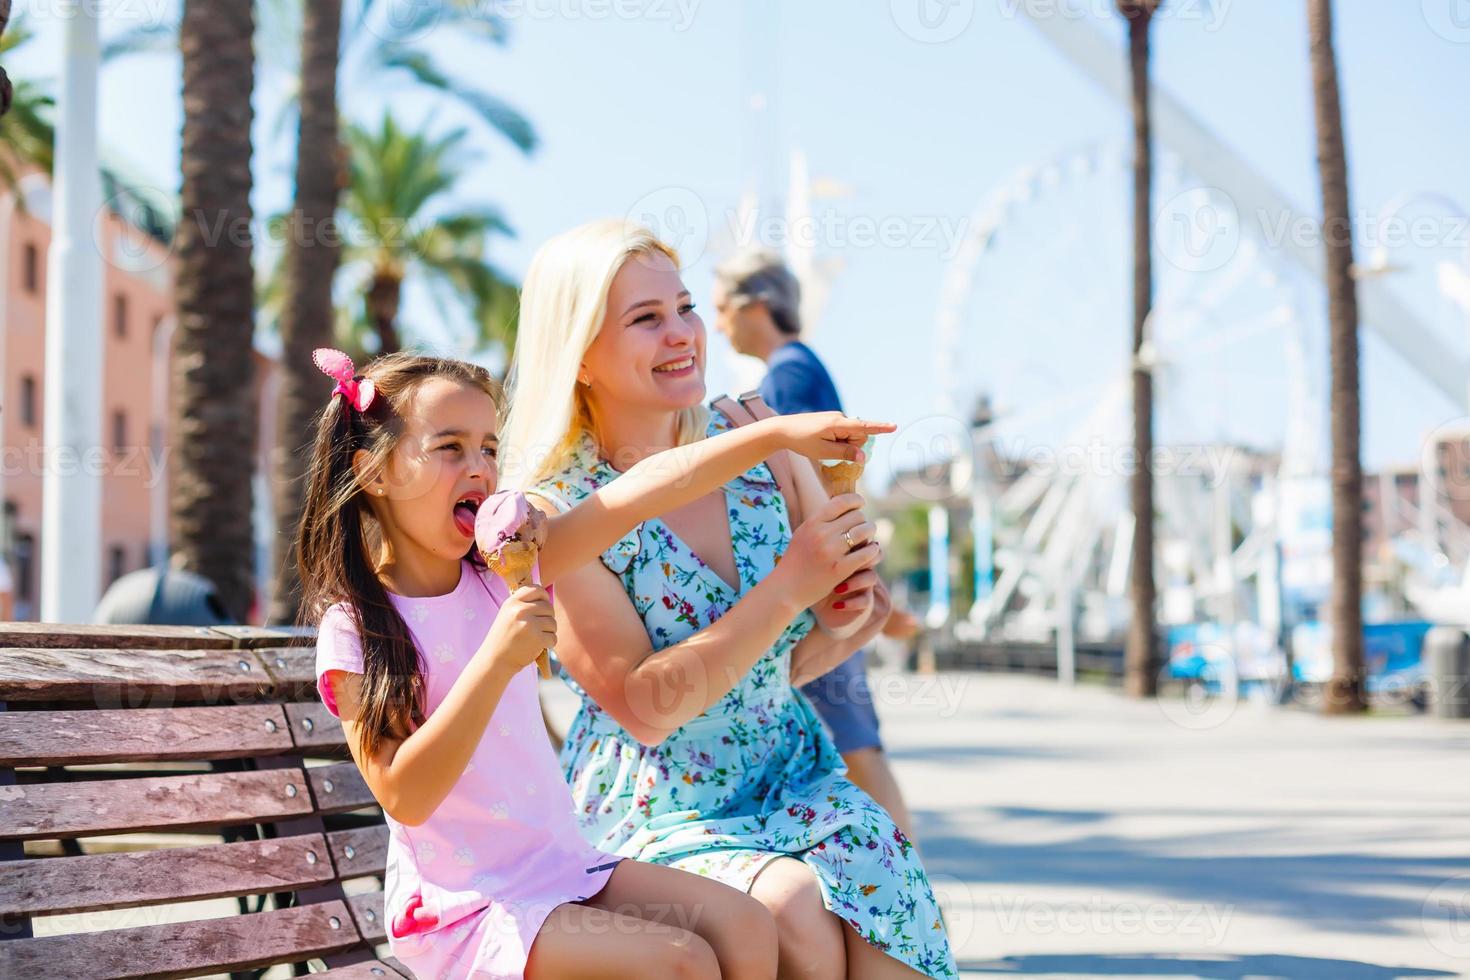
6,91
26,129
397,230
1141,654
311,263
1344,694
214,407
382,45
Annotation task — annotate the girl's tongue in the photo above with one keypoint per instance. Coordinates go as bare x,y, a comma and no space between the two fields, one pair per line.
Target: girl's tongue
464,519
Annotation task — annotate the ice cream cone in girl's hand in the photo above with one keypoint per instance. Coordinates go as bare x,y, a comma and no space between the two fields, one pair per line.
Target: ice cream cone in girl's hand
509,533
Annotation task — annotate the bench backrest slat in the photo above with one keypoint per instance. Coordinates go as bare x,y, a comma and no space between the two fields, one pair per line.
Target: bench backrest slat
186,949
360,851
83,636
116,806
367,912
118,678
339,788
56,738
94,882
313,727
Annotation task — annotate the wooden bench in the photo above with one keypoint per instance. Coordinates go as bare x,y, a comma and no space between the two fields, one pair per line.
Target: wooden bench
141,767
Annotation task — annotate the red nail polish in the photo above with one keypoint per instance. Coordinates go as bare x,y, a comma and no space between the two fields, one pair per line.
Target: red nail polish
839,605
841,588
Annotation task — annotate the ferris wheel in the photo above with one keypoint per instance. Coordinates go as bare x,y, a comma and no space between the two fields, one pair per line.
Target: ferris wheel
1034,316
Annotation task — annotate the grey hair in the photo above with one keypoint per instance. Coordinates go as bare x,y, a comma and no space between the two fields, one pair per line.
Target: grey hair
759,275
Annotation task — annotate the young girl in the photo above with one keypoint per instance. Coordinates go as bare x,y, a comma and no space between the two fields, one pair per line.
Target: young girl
427,659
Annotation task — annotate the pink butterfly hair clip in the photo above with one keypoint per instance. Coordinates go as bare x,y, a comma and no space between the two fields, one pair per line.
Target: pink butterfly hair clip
335,364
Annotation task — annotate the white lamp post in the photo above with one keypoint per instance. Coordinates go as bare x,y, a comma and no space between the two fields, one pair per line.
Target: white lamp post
71,501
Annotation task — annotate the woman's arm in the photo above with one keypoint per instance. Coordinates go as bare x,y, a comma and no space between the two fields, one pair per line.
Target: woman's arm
411,776
668,480
605,646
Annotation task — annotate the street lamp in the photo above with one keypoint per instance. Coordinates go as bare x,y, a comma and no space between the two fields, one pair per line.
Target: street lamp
71,499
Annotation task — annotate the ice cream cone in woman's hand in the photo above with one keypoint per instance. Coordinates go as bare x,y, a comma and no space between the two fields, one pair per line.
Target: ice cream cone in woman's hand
509,533
842,476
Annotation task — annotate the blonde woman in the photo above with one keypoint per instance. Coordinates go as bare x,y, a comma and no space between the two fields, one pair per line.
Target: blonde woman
692,748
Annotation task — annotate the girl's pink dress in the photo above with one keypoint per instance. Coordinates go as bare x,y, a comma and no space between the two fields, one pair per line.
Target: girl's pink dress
467,890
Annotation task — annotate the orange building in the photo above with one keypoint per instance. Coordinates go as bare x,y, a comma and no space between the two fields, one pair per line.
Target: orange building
135,333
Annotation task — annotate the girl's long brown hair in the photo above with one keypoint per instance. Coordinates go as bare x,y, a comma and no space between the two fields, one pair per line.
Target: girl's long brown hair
339,541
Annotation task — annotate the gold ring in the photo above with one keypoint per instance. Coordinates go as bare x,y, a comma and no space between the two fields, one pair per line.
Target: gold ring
847,536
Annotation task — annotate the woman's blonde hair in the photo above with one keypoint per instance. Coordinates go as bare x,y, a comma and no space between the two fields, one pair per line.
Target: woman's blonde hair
563,304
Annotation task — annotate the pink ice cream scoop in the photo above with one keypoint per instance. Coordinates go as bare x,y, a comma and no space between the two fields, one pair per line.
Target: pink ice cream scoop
507,518
509,533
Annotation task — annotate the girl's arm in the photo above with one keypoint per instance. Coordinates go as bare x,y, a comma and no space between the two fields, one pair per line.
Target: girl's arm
411,776
820,652
838,615
605,646
668,480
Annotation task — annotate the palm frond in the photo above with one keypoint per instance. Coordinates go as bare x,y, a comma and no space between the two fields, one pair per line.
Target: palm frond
17,34
400,179
158,37
495,112
396,26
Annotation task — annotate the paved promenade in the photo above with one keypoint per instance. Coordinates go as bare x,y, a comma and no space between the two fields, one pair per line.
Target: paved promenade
1076,833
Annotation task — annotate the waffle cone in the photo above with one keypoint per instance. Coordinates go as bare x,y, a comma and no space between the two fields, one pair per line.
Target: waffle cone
840,478
514,564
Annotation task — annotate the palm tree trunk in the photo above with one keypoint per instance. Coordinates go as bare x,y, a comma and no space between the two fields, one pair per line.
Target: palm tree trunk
215,411
1141,653
311,260
1344,692
383,297
6,89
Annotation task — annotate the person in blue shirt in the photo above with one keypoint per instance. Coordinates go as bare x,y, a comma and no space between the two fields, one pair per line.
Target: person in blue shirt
757,302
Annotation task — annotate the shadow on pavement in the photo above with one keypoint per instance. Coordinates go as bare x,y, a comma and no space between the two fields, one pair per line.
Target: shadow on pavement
1338,891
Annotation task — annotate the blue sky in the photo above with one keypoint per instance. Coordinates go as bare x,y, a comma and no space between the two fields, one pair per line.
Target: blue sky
640,103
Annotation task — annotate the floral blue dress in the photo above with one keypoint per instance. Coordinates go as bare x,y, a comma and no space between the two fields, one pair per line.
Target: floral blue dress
756,777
